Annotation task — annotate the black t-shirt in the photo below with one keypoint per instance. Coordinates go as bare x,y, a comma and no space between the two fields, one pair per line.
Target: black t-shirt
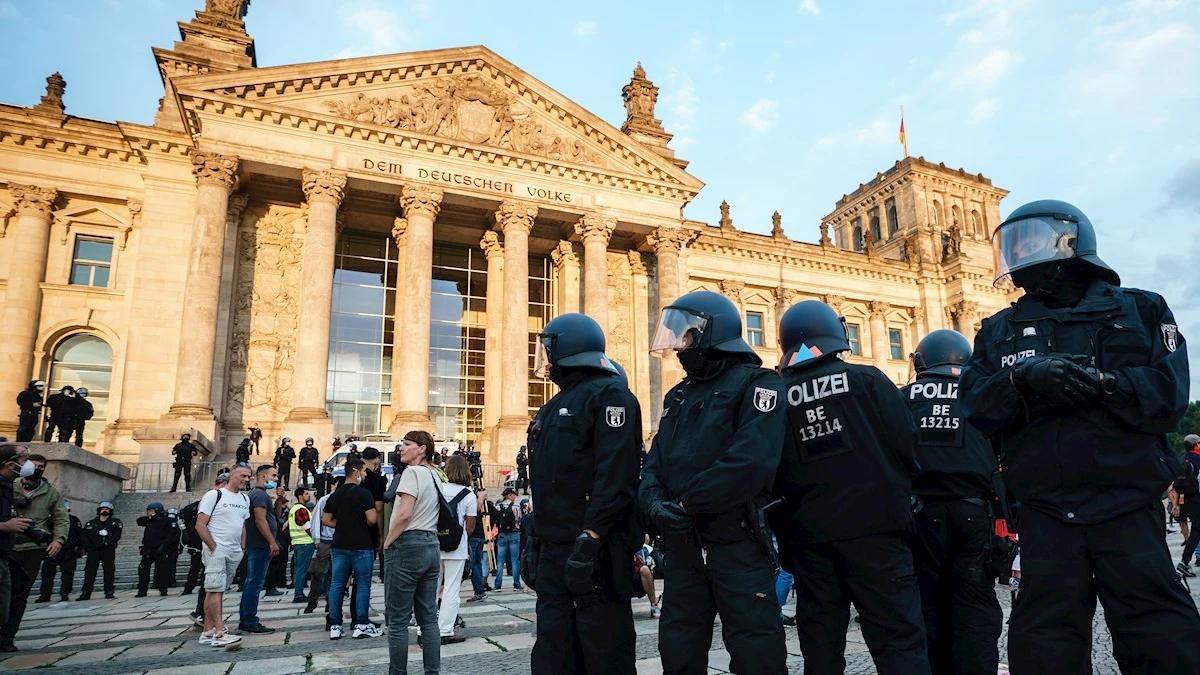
376,484
349,505
487,511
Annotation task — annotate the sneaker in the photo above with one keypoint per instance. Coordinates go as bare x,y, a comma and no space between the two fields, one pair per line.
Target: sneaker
41,600
206,638
140,594
655,611
335,632
1185,569
518,588
459,623
477,597
258,629
789,621
453,639
272,592
367,630
224,639
197,619
299,598
83,598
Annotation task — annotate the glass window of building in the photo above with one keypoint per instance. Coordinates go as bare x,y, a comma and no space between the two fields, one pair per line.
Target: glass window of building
890,208
852,337
876,227
92,261
84,361
858,235
754,328
895,344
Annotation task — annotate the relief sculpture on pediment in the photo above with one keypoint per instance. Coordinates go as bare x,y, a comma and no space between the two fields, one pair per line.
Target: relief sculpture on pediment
467,108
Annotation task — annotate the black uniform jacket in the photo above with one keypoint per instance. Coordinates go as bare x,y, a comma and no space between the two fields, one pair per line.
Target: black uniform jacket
71,546
80,410
1089,463
29,400
184,452
583,446
158,531
308,457
849,443
284,455
94,541
717,448
957,461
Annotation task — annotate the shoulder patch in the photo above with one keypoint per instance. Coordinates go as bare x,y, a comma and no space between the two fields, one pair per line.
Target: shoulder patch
615,416
765,399
1170,336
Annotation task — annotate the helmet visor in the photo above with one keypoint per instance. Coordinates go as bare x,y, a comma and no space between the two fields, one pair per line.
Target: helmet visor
1031,241
677,329
541,363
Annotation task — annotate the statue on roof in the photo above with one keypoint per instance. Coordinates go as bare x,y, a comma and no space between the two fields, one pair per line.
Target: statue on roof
640,97
231,8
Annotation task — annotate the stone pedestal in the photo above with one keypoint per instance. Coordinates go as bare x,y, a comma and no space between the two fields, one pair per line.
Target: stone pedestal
156,441
81,476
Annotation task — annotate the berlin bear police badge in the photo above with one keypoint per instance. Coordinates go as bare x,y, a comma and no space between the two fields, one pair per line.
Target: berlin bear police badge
616,416
764,399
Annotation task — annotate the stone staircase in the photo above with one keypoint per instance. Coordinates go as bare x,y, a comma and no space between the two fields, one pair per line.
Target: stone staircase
129,506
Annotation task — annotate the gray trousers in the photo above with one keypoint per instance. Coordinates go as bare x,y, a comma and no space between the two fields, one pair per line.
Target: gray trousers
411,566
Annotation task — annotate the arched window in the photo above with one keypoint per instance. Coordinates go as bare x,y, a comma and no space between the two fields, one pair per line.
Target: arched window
976,224
893,224
858,238
938,218
85,361
956,216
876,229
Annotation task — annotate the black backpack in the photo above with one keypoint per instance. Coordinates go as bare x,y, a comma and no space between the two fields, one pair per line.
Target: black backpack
506,519
449,530
1187,483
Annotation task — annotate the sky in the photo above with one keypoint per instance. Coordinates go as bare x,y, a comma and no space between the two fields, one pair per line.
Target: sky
779,105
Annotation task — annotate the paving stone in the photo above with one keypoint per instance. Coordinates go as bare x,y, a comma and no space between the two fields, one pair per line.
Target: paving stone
37,643
514,642
500,620
153,649
92,639
485,608
119,626
25,661
90,656
346,659
40,632
201,669
147,635
281,666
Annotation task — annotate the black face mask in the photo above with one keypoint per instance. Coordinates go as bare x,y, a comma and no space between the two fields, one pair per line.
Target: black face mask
105,514
1057,284
37,476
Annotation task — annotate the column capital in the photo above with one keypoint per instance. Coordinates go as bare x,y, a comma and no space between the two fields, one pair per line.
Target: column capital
322,185
732,289
966,309
516,214
879,309
490,243
595,227
918,314
213,169
399,229
837,302
637,265
787,296
564,254
420,200
670,239
31,200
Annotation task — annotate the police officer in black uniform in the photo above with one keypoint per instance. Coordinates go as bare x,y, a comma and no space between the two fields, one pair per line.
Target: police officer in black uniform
184,451
709,471
192,543
81,411
30,403
583,446
1079,381
156,538
285,454
308,463
953,518
100,538
849,441
523,470
58,407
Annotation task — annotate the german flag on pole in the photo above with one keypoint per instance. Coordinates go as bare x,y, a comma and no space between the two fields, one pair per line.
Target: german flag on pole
903,137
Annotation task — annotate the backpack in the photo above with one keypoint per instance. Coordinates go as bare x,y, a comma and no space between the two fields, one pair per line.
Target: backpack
506,519
1187,483
449,529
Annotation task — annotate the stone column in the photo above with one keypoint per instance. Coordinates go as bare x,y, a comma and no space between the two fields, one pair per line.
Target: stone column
324,191
566,261
879,338
29,230
410,402
595,231
515,219
668,242
968,314
400,235
493,356
216,179
639,370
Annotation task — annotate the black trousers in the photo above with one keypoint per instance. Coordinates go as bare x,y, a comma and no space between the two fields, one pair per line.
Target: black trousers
523,481
159,562
25,566
277,571
308,476
78,429
1124,563
106,557
1190,511
285,476
963,619
50,568
26,427
195,570
598,638
737,582
875,573
171,567
184,470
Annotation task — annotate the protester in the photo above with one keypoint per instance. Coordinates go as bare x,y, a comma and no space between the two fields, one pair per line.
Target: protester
261,545
351,512
318,567
64,561
477,543
220,525
508,541
14,461
461,500
299,522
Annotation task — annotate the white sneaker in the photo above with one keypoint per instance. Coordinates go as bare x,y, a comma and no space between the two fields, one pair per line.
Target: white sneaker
335,632
367,630
225,639
206,637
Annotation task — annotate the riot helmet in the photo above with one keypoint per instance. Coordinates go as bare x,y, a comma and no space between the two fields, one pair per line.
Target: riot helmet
308,441
82,392
38,384
811,330
701,320
156,507
571,341
1042,232
286,440
942,352
185,437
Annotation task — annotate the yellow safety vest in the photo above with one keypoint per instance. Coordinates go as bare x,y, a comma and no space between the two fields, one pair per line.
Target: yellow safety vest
299,534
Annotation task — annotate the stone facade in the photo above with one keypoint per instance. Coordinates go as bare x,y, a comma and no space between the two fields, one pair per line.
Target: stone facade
223,218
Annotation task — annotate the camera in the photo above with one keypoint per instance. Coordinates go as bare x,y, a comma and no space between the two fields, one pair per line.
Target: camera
39,536
476,462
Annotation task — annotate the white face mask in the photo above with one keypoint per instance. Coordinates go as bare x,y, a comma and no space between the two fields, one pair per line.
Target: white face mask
27,469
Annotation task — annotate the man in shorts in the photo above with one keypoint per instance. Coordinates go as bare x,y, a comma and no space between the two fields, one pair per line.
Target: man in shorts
220,525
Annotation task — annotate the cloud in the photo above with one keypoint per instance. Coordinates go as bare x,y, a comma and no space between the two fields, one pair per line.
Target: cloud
384,31
809,7
770,77
724,45
761,116
680,107
988,71
8,10
984,109
1143,74
585,28
1183,189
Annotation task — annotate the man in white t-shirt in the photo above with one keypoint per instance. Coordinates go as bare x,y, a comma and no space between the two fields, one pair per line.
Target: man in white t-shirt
220,525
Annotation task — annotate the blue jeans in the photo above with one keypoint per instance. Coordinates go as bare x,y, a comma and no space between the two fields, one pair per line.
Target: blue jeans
304,554
343,562
783,586
257,560
508,548
412,567
477,554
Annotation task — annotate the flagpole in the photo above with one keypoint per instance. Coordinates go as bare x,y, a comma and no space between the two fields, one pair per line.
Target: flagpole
903,134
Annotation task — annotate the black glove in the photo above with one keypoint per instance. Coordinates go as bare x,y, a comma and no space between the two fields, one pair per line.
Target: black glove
670,517
581,565
1055,378
1083,380
529,562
